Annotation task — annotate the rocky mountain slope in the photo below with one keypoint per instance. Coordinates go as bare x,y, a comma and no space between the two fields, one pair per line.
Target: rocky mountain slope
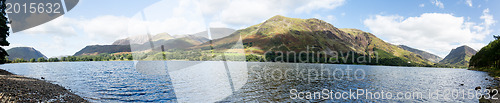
24,52
98,49
459,57
145,43
281,33
426,55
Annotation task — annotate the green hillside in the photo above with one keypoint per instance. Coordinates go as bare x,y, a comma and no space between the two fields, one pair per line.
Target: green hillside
426,55
25,53
459,57
487,59
98,49
285,34
279,39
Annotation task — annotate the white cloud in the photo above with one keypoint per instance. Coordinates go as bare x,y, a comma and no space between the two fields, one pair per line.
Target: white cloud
218,24
438,3
421,5
329,18
182,18
488,18
14,45
249,12
319,4
245,12
186,18
173,17
106,27
434,32
212,7
62,26
469,2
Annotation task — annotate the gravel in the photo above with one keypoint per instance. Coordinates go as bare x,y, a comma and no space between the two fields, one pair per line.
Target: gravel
16,88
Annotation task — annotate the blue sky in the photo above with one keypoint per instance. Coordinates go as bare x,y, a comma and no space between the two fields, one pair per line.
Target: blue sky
436,26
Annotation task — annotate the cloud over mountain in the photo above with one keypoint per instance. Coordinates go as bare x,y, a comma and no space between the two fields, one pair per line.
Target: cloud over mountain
434,32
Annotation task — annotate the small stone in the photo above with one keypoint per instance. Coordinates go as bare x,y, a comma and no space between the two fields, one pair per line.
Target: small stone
477,88
461,84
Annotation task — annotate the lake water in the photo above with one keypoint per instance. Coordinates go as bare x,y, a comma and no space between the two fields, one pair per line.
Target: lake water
217,81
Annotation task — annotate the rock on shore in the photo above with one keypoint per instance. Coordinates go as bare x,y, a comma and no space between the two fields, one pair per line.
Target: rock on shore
15,88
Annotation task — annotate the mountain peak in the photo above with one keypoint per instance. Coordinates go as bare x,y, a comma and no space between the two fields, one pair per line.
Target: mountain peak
459,56
24,52
465,47
282,25
280,18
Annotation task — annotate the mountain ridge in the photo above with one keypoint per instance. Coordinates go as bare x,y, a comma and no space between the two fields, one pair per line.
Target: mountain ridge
98,49
429,56
281,33
488,58
25,53
142,43
459,57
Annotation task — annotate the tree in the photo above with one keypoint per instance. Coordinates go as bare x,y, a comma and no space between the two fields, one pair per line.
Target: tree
19,60
496,37
41,59
129,57
4,31
32,60
53,60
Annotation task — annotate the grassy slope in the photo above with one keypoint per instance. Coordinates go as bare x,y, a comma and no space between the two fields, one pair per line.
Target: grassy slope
389,48
292,34
487,59
458,57
24,52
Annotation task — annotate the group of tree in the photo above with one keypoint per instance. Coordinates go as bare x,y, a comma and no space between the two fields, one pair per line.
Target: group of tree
488,58
21,60
4,31
378,57
100,57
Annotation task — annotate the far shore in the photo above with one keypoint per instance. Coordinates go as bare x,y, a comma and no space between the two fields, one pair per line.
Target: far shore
16,88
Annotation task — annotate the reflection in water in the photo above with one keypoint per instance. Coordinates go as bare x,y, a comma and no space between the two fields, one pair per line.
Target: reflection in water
119,81
273,81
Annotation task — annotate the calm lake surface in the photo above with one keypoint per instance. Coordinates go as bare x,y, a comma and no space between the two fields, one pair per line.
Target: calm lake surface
213,81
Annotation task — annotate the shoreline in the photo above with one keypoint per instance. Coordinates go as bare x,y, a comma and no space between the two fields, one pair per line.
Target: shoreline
16,88
483,100
254,62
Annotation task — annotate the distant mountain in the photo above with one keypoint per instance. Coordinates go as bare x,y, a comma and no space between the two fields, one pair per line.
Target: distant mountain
185,41
488,58
24,52
141,39
278,33
200,37
97,49
216,33
121,42
459,56
281,33
426,55
142,42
